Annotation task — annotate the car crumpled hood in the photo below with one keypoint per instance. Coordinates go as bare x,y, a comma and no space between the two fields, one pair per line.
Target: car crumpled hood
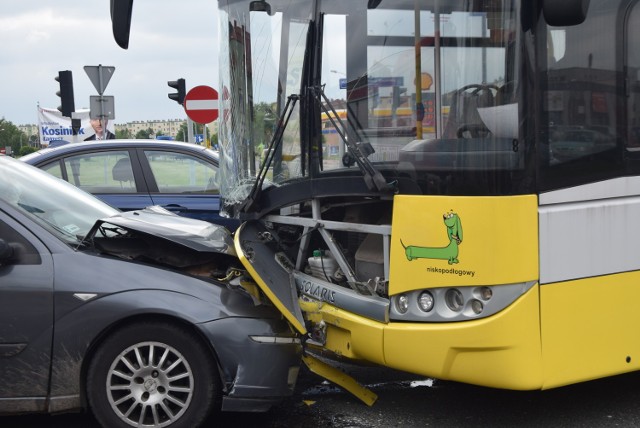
155,234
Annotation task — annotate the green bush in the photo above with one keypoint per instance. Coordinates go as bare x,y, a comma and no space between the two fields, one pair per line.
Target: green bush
25,150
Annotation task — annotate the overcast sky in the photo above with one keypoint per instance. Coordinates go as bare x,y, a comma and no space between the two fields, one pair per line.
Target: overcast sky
169,39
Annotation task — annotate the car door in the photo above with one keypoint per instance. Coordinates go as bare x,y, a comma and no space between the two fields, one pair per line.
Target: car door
112,175
26,319
184,183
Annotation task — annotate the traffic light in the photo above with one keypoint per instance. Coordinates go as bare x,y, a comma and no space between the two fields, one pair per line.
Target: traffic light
67,105
179,86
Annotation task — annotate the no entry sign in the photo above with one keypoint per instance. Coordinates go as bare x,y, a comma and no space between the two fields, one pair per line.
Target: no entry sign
201,104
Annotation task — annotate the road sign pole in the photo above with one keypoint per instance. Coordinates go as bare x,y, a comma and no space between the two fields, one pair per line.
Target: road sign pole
102,121
100,80
190,137
75,126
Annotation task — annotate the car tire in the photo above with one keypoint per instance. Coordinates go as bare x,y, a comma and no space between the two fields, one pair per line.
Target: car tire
152,374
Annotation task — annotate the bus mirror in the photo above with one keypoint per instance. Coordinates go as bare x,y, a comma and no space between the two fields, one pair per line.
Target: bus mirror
565,13
260,6
121,21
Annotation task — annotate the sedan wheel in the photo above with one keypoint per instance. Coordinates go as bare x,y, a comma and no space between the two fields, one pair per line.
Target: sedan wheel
152,375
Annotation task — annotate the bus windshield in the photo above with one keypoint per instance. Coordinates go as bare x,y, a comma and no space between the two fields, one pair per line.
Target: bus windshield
427,89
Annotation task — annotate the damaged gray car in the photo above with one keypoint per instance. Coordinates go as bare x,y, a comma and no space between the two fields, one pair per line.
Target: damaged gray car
143,318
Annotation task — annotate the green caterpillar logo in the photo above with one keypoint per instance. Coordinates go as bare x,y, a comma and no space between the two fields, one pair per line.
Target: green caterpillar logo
450,252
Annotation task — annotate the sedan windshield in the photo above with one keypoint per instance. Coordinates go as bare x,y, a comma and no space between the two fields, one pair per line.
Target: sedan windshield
66,211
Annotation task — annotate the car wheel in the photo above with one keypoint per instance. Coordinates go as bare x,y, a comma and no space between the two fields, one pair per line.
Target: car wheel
152,374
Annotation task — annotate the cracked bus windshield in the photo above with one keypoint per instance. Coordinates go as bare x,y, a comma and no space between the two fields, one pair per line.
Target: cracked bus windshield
387,82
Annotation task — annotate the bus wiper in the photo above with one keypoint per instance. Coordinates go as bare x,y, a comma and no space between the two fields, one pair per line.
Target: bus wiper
275,142
359,151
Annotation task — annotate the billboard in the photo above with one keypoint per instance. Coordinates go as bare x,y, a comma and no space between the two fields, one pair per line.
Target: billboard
52,126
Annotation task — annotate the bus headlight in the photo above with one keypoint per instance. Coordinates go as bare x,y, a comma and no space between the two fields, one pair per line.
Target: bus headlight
486,293
450,304
454,300
425,301
476,306
402,303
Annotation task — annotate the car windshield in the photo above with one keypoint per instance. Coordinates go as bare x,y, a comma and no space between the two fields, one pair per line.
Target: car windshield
66,211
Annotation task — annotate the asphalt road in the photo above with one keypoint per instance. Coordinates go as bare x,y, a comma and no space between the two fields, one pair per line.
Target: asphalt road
408,401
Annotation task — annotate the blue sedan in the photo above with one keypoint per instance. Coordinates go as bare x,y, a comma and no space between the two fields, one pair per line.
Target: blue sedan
133,174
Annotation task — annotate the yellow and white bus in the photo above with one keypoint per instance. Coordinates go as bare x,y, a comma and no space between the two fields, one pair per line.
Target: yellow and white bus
495,245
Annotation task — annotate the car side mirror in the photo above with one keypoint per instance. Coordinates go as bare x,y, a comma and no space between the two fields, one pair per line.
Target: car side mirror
6,252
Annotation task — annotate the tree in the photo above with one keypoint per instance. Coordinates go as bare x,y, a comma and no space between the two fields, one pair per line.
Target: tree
124,133
25,150
144,134
11,136
182,133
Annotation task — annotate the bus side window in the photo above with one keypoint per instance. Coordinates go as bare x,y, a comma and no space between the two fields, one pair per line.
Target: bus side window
582,102
632,54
